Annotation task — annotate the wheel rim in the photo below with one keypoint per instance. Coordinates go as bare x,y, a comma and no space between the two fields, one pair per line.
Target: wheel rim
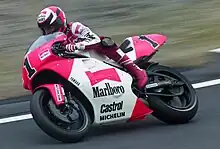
179,102
50,110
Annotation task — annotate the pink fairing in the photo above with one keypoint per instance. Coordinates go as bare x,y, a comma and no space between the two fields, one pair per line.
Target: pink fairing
55,91
140,111
40,58
146,45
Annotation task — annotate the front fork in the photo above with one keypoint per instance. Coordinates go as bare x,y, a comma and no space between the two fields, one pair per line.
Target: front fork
62,100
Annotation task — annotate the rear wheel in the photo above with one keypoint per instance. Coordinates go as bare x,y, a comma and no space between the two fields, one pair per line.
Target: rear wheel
58,122
172,110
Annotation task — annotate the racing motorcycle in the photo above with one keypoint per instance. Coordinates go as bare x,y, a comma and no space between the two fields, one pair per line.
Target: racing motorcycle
73,91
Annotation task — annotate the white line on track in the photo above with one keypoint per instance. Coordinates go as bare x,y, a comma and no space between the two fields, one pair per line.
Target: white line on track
29,116
215,50
15,118
206,83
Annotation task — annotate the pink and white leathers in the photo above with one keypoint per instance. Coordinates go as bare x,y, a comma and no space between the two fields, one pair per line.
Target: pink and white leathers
52,19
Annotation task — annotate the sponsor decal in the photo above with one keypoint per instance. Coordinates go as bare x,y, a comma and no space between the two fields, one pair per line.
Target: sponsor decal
44,55
107,108
41,18
58,92
89,36
105,74
107,91
112,116
74,81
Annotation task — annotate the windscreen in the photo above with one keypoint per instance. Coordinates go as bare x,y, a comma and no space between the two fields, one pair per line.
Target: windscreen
42,40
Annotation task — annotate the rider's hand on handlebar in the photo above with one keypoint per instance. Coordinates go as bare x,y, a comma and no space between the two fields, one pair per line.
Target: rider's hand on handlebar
72,47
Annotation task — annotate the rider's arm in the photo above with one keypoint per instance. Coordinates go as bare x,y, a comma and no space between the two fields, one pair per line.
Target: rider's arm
82,32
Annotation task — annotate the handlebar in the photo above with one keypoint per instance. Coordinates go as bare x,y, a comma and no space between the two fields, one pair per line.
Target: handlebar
60,50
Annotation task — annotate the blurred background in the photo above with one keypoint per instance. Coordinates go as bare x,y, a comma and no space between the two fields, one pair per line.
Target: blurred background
192,27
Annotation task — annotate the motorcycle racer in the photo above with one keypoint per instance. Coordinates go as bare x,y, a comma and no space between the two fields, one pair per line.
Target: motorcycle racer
80,37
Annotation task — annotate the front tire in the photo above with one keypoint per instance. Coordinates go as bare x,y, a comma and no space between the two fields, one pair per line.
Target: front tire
168,113
45,120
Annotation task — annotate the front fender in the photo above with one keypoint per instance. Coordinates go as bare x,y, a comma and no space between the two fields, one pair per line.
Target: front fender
56,91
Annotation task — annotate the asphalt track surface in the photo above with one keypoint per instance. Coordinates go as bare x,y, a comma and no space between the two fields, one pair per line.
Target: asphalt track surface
201,133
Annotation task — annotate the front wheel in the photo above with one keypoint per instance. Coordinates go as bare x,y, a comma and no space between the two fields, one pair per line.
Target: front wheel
172,110
55,122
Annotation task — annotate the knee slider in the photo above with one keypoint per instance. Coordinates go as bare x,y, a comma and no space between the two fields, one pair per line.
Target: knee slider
107,42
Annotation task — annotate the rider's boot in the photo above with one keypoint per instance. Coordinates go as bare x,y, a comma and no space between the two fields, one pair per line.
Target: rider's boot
139,74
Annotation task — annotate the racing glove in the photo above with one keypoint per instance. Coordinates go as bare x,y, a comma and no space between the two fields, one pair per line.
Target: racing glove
76,46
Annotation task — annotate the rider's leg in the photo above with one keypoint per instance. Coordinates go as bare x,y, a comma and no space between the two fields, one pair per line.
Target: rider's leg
114,52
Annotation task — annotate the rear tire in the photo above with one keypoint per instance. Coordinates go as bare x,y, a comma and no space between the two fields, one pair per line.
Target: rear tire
44,121
170,114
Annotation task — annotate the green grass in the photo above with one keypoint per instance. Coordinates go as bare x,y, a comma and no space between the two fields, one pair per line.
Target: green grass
192,28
